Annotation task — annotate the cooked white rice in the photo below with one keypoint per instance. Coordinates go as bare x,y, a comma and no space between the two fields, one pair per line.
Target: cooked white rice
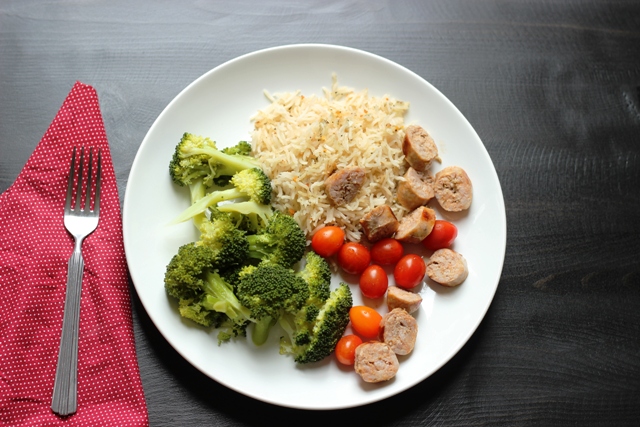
301,140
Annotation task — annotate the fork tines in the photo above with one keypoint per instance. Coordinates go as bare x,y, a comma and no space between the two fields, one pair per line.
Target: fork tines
81,183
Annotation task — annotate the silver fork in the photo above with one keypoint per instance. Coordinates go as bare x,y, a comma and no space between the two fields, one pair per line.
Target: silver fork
80,220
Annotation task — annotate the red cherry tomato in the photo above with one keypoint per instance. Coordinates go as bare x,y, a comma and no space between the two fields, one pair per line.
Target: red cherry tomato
327,241
346,349
365,321
442,235
387,252
409,271
353,257
374,282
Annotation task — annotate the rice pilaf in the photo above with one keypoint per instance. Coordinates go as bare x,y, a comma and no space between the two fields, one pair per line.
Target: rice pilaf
301,140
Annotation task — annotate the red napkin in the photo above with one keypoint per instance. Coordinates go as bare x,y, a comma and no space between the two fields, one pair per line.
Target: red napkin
34,250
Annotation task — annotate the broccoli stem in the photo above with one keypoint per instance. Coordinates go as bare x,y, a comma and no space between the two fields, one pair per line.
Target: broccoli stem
261,330
208,200
197,191
259,246
228,164
249,208
220,298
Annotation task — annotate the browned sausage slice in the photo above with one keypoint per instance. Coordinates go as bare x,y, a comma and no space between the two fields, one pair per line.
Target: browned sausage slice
379,223
343,185
375,362
399,331
447,267
453,189
418,147
399,298
416,225
416,189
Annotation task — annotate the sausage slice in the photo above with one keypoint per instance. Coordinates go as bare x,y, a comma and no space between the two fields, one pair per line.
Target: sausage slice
399,331
399,298
453,189
447,267
416,189
418,147
375,362
343,185
416,225
381,222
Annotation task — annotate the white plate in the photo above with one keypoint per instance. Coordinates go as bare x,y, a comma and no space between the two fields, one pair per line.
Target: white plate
219,105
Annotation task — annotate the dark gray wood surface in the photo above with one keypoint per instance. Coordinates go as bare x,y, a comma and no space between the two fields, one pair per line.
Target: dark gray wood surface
551,87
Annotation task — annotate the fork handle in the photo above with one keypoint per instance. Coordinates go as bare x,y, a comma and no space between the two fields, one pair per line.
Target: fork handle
65,386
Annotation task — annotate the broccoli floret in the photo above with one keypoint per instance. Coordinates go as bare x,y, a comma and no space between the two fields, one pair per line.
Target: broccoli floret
196,157
193,310
281,242
189,277
317,274
228,243
186,169
269,291
198,164
311,339
204,296
249,216
184,274
219,296
218,304
242,148
252,183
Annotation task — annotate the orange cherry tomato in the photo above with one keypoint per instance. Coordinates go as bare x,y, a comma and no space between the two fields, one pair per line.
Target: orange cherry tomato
327,241
386,252
346,349
353,257
442,235
374,282
365,321
409,271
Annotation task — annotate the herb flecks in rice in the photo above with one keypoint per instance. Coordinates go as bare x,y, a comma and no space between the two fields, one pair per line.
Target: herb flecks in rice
300,140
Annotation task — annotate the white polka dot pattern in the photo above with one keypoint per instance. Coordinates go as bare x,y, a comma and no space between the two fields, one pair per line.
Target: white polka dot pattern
34,250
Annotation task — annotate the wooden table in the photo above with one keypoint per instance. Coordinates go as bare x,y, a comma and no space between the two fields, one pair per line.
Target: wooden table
551,87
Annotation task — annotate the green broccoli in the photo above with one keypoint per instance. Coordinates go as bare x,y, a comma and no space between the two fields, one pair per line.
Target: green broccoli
198,164
252,183
242,148
229,244
311,339
193,310
269,291
184,274
317,274
190,274
219,296
282,241
196,157
204,296
249,216
187,279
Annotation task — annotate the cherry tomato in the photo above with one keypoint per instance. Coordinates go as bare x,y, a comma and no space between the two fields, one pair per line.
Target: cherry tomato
442,235
409,271
374,282
365,321
387,252
327,241
346,349
353,257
